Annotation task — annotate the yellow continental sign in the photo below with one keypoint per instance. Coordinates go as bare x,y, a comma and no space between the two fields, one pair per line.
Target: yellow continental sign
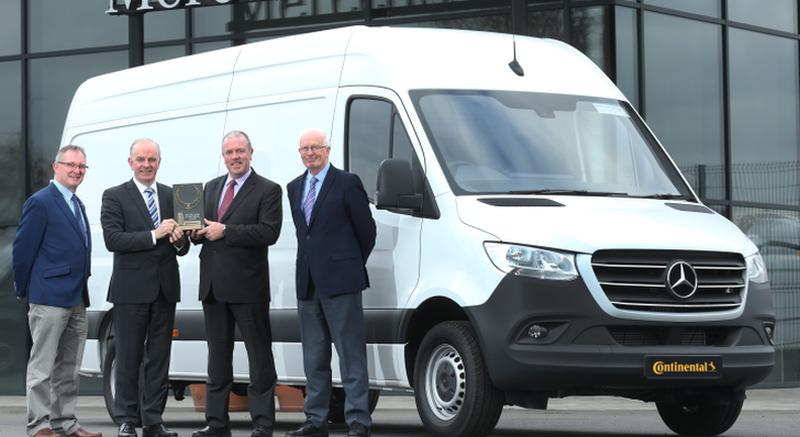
660,367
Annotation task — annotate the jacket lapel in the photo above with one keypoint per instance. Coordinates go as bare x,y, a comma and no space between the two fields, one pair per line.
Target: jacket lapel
330,179
61,204
166,210
138,202
239,198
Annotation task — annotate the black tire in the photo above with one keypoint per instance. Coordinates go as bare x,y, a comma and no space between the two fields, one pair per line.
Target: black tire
336,411
109,376
699,415
453,392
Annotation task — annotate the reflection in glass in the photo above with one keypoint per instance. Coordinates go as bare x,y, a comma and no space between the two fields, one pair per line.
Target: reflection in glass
208,46
774,14
11,180
13,323
683,96
369,131
10,27
764,113
777,235
49,99
155,54
546,24
702,7
48,30
491,23
627,54
590,34
211,21
165,25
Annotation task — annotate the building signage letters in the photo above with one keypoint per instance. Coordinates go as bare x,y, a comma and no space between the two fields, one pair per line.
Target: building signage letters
117,7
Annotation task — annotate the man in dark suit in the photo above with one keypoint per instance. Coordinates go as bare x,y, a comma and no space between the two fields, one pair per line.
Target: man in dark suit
243,218
145,285
335,235
51,258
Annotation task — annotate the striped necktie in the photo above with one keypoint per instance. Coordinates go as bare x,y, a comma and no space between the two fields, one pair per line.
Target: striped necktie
308,204
151,206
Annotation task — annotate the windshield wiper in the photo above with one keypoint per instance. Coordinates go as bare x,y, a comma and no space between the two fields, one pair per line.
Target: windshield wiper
665,196
568,192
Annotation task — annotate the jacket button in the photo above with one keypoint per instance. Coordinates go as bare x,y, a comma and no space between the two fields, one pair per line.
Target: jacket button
308,237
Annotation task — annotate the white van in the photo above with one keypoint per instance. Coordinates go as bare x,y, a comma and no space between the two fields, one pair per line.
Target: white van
534,238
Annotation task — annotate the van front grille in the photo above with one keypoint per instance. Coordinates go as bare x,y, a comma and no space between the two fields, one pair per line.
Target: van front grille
672,336
698,281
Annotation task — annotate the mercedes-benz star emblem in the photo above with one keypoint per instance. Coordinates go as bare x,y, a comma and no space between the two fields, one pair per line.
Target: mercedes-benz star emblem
681,279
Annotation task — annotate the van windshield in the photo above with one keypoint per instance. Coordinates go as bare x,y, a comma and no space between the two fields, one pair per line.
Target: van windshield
495,142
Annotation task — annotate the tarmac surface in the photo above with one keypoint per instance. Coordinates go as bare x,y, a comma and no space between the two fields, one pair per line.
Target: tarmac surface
766,412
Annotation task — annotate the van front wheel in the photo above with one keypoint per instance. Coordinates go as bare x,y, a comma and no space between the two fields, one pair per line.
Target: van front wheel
699,415
453,392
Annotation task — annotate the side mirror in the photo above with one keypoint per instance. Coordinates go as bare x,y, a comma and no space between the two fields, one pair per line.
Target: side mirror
395,186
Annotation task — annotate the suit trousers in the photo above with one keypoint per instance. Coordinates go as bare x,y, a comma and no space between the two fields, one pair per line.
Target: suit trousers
337,319
59,336
252,319
143,339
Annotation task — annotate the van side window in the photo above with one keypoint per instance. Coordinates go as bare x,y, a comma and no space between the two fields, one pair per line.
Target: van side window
368,138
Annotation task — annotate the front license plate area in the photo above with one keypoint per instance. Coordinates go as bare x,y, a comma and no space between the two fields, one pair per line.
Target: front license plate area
683,366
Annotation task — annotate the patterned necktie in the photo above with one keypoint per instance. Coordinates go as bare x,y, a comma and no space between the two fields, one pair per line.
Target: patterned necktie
76,204
226,200
151,206
308,204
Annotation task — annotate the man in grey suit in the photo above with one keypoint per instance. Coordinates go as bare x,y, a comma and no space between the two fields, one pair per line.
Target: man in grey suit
52,254
335,235
145,285
243,218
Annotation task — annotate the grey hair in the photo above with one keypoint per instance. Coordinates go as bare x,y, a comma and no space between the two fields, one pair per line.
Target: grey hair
67,148
235,134
143,140
325,141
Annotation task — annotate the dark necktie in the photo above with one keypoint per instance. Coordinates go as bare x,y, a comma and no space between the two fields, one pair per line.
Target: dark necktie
76,206
226,200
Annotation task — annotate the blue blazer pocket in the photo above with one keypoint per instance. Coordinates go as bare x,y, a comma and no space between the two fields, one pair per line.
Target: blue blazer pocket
54,272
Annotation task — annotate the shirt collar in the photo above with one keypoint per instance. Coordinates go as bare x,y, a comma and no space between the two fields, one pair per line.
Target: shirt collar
320,176
143,187
240,180
64,191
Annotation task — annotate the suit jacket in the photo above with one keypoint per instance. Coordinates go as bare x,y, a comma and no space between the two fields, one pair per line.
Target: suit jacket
141,269
51,259
236,266
332,250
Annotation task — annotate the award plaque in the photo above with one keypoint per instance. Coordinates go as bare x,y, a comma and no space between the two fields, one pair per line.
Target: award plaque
188,202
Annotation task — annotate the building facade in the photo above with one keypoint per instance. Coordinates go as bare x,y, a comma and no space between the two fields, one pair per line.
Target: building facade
717,80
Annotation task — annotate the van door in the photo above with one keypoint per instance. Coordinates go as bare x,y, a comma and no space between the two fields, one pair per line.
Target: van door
371,124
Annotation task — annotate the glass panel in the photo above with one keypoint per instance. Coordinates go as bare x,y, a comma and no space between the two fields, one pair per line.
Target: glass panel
10,27
702,7
590,34
13,324
208,46
777,235
764,112
165,25
369,130
211,21
546,24
627,54
155,54
683,96
11,176
550,143
493,23
50,95
48,30
775,14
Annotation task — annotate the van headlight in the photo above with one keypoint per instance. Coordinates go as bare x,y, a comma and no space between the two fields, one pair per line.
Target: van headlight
756,269
532,261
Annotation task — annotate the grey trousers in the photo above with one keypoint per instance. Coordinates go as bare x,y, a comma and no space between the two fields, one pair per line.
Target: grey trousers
59,336
338,320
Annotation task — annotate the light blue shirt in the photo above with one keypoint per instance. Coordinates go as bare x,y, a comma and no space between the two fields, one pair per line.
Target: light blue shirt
67,195
239,182
320,179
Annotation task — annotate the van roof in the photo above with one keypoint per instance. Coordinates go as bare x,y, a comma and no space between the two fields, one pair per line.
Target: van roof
396,58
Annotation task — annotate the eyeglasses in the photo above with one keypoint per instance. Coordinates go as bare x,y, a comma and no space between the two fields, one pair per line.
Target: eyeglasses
73,165
314,149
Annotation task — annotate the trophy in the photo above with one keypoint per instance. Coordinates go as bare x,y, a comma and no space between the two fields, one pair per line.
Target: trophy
188,203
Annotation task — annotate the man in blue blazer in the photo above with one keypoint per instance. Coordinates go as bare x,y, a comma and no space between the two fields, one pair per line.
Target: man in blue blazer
335,235
51,257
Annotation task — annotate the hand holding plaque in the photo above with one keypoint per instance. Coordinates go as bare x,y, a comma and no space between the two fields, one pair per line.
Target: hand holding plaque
188,203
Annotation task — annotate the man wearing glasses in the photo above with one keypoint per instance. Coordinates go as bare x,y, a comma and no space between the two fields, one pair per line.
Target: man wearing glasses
52,252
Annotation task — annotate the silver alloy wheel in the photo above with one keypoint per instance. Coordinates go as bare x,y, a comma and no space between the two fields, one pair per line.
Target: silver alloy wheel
445,382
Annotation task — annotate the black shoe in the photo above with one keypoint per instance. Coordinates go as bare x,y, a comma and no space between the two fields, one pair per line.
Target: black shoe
358,430
127,430
212,432
157,431
308,430
261,431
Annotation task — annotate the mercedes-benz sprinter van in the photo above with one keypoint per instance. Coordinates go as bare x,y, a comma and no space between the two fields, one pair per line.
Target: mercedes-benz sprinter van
534,238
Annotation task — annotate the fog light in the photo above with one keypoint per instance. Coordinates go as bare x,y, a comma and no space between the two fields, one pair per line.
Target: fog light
769,329
537,331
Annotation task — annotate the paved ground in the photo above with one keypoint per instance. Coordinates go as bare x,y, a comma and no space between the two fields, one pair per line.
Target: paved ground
773,413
